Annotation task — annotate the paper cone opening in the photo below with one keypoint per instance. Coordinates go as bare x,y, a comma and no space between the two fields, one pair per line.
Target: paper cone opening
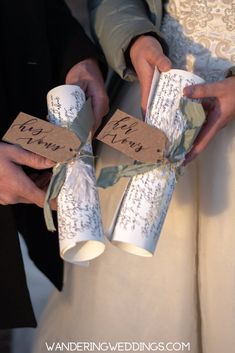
132,249
83,251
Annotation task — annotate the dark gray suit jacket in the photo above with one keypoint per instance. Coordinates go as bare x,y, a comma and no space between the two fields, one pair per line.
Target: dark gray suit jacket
40,42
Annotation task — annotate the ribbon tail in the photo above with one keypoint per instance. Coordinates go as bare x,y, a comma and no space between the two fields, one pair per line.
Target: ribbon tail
194,114
111,175
57,180
108,177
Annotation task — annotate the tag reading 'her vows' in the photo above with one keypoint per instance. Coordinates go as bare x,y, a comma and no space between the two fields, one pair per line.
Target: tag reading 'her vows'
134,138
41,137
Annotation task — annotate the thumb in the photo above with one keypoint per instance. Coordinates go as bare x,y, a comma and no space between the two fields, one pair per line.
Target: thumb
204,90
145,86
30,159
160,60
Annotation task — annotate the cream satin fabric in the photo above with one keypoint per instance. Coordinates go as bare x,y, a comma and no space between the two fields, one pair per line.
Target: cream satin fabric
186,292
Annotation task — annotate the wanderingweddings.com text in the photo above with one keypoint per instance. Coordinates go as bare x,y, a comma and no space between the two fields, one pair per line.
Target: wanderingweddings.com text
118,347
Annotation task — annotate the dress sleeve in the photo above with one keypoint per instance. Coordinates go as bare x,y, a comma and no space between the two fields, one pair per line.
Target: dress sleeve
68,42
115,23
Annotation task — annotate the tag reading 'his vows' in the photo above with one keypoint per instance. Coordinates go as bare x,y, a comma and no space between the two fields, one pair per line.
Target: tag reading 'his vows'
41,137
134,138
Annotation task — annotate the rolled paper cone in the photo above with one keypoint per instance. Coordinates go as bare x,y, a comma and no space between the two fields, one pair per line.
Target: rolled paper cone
145,204
79,219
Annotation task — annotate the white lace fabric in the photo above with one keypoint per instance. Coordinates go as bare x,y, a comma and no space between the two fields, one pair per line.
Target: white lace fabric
201,36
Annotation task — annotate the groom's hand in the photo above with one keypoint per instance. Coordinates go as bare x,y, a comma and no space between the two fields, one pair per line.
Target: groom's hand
15,185
88,76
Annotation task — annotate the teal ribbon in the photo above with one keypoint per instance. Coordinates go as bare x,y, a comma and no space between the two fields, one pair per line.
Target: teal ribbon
111,175
195,116
81,126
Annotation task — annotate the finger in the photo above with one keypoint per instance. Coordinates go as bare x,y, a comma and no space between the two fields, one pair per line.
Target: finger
162,62
100,106
145,85
99,100
33,194
145,73
35,198
148,48
209,130
204,90
23,157
25,189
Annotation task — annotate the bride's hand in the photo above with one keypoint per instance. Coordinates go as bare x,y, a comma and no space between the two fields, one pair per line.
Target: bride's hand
146,53
220,110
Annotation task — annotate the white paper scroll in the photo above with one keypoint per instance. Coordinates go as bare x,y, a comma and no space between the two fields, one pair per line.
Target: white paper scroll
147,198
80,227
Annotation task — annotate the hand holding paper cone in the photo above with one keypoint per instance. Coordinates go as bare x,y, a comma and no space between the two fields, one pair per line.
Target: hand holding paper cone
86,74
15,185
220,110
80,227
146,53
145,204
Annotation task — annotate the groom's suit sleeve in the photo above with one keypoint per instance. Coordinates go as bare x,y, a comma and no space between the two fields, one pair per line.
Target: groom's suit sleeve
47,41
68,42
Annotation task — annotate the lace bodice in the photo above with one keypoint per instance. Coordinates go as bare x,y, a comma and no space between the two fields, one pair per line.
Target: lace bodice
201,36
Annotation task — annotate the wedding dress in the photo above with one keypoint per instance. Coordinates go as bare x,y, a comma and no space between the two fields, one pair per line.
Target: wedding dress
186,292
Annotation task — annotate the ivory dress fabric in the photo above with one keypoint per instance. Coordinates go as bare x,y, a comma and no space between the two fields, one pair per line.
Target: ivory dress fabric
186,292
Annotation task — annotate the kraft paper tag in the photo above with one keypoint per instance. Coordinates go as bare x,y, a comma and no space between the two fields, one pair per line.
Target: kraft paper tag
134,138
41,137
